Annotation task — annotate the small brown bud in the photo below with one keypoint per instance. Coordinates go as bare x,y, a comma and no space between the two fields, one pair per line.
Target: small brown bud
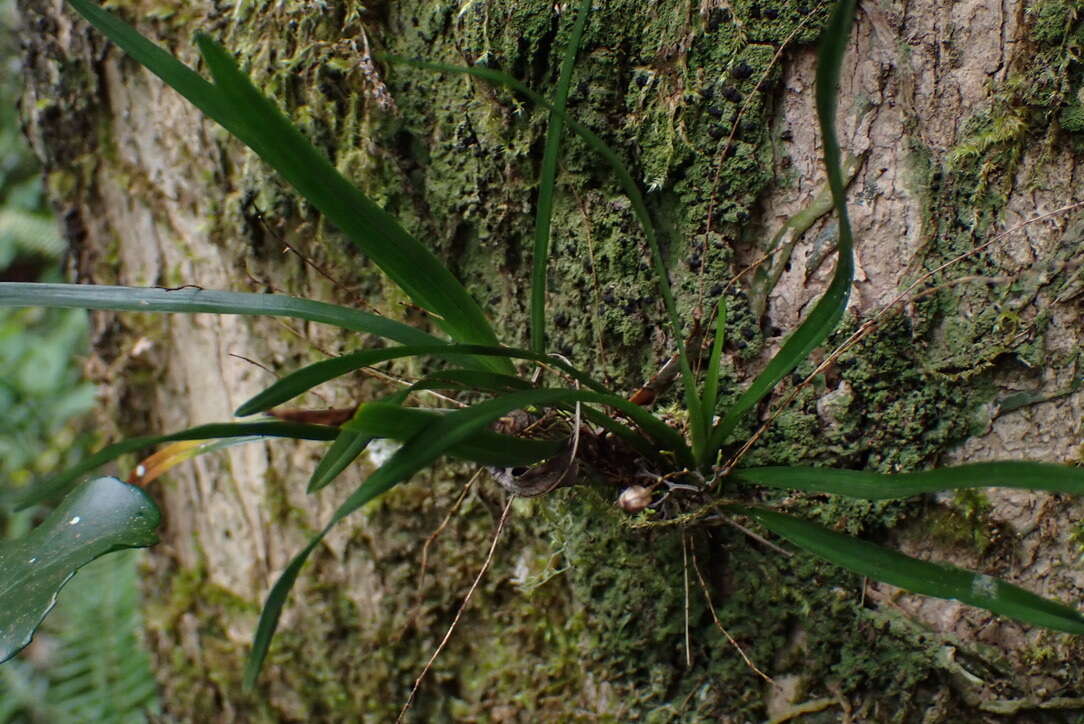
634,499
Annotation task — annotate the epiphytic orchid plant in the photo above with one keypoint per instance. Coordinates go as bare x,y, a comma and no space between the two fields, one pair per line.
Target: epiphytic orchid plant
578,427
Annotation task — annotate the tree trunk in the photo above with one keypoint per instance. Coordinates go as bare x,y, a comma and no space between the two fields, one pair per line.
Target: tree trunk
964,121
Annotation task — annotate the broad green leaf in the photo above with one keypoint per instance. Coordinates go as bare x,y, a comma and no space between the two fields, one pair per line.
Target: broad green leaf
418,452
546,182
317,373
639,208
101,516
190,300
929,579
246,113
826,315
878,486
57,484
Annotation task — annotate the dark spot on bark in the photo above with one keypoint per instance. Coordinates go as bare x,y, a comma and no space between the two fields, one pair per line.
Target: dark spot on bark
741,71
718,16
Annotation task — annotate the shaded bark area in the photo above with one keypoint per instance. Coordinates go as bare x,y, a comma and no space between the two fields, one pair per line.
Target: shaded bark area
965,118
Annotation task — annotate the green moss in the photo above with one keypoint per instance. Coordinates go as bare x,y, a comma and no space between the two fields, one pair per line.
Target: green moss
963,524
1052,21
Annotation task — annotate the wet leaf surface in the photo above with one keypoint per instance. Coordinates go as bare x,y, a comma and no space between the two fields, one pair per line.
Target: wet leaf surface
98,517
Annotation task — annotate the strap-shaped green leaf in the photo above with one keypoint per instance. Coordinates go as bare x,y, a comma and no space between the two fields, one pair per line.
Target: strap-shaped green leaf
546,182
828,311
240,108
929,579
878,486
306,378
348,445
409,264
711,374
471,380
99,517
192,300
60,483
639,208
346,448
383,420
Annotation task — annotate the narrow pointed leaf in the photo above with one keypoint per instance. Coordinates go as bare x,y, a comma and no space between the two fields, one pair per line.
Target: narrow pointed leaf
101,516
711,374
175,453
272,610
828,311
639,208
58,484
382,420
317,373
929,579
194,301
471,380
241,109
376,232
877,486
546,183
345,450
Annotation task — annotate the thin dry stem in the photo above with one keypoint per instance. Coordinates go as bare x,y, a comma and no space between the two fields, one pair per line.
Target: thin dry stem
685,569
753,534
719,625
459,613
424,567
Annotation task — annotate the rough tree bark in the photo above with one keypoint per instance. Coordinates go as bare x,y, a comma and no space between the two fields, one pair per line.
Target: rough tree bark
966,119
